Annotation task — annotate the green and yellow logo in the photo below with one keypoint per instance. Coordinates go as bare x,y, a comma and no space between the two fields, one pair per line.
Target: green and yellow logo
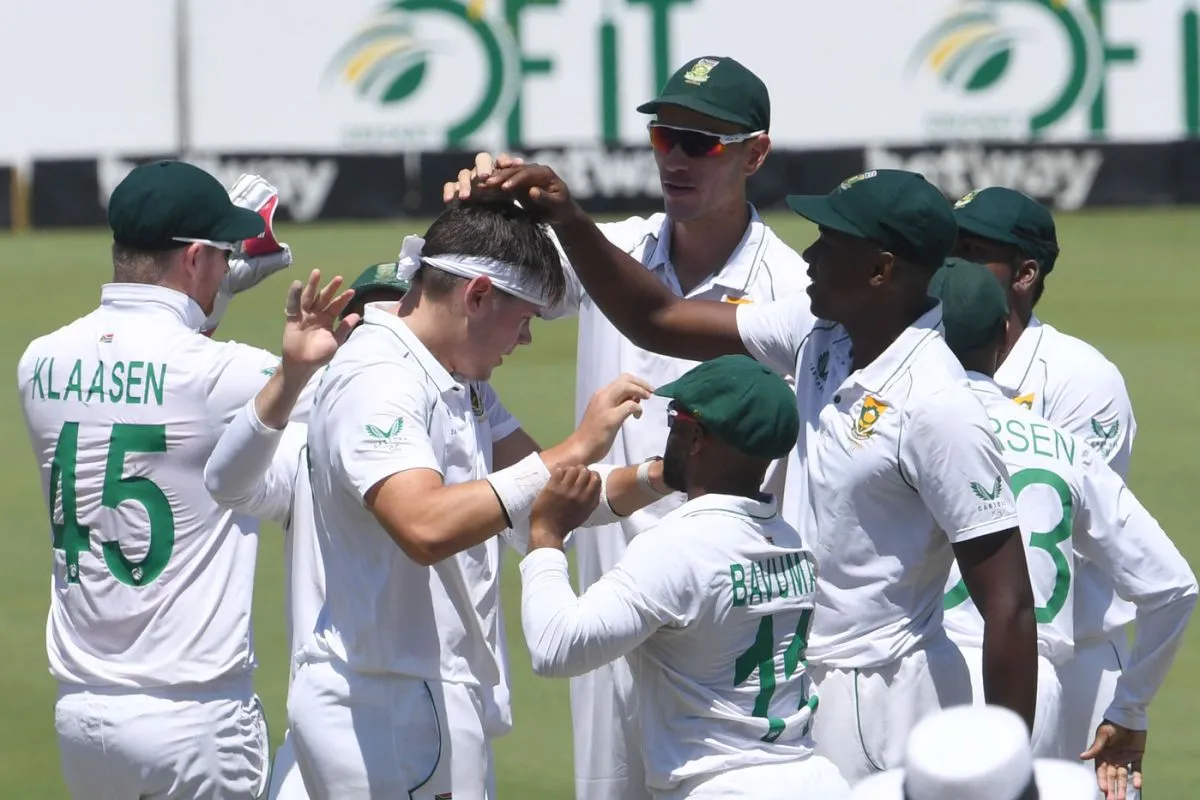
864,426
1022,64
412,56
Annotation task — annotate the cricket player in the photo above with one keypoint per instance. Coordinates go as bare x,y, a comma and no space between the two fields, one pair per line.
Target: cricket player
1068,501
416,467
149,632
879,484
710,133
259,468
712,606
1070,383
980,753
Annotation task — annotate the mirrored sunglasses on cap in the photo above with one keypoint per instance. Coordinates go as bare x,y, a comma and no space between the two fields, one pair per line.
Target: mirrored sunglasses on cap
693,142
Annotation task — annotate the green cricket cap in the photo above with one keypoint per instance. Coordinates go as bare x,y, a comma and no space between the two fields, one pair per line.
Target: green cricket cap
717,87
897,209
741,402
974,304
379,276
161,202
1006,215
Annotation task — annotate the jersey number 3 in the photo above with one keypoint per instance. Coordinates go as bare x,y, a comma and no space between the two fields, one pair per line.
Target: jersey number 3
761,657
72,538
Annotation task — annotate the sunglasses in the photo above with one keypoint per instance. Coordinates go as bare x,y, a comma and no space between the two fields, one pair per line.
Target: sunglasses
675,413
694,143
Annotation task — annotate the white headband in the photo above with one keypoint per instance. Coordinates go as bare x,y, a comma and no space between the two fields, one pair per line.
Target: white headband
506,277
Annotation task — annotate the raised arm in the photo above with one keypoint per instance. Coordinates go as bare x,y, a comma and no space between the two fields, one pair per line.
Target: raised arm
644,310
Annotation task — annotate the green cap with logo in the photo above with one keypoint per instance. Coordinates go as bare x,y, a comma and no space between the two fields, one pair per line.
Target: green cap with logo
161,203
974,304
1006,215
898,210
379,276
717,87
741,402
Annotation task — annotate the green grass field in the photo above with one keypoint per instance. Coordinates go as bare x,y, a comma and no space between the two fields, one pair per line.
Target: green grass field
1125,283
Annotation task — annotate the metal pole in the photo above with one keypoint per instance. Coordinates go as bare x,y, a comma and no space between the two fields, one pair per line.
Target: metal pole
183,110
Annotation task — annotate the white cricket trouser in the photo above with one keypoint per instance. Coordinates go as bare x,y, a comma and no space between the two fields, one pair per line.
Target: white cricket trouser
286,783
1047,740
608,743
812,778
1089,681
864,716
383,737
204,742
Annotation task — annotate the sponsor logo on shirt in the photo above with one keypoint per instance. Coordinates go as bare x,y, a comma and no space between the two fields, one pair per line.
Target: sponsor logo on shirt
476,403
820,370
1025,400
385,439
1105,437
864,426
106,338
990,497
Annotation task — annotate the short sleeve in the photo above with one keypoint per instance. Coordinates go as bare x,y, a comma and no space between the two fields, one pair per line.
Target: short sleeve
773,332
501,422
1094,405
949,455
378,424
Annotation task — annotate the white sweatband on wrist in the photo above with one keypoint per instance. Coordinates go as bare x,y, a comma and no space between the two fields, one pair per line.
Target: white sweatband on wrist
519,485
643,478
603,513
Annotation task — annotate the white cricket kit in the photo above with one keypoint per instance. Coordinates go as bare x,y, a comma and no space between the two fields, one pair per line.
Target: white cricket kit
879,487
713,608
761,269
263,472
152,582
1069,501
1070,383
404,656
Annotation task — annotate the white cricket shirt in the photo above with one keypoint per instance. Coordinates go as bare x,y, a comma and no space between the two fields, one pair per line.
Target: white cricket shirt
263,472
712,607
761,269
385,405
880,482
1069,500
1072,384
152,581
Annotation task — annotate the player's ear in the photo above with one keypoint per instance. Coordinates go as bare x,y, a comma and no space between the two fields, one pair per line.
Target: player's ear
757,154
1025,276
476,294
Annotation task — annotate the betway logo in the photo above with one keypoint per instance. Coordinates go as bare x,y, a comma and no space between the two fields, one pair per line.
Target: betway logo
1062,176
597,172
303,183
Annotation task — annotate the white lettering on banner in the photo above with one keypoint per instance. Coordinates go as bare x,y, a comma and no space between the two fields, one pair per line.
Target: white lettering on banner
1062,175
597,172
303,183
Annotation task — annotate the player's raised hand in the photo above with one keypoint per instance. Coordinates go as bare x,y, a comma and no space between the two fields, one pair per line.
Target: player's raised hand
534,185
485,165
567,501
605,412
313,333
1118,752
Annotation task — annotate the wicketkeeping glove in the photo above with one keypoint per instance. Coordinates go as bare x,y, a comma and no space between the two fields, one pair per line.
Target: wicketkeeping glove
257,258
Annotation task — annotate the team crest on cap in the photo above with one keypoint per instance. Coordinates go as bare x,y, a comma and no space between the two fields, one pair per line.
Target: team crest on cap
386,272
864,426
966,198
699,71
846,184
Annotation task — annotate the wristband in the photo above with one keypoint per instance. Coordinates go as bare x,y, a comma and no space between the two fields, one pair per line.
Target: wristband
603,514
643,477
519,485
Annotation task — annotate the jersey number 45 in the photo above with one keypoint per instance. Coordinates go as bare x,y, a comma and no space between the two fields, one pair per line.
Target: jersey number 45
72,538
